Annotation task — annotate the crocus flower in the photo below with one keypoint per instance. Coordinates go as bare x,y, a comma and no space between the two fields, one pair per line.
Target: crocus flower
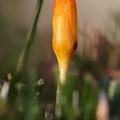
64,42
64,33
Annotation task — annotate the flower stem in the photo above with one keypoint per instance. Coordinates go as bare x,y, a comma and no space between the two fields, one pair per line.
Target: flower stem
60,97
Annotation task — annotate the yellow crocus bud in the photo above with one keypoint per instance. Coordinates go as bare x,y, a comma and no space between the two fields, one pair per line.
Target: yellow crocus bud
64,33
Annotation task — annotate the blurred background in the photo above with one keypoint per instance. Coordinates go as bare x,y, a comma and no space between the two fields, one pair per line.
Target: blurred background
98,37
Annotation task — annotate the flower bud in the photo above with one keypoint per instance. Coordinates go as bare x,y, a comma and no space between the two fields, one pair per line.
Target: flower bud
64,32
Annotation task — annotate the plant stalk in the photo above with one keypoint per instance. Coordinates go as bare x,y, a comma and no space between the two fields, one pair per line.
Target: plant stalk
60,96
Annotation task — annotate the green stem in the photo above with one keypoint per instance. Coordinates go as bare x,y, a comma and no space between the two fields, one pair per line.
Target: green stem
60,97
58,109
24,57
